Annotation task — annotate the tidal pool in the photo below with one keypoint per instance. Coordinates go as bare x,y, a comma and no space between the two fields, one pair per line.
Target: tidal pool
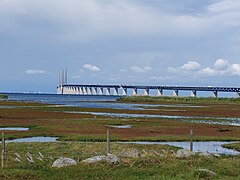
120,126
193,119
34,139
14,129
198,146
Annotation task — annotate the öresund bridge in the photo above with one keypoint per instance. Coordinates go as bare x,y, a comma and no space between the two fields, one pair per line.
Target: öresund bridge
123,90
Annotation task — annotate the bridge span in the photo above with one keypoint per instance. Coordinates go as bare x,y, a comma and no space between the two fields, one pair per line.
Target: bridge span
123,90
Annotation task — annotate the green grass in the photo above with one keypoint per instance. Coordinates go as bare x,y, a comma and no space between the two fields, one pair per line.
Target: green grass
144,167
2,96
235,146
166,99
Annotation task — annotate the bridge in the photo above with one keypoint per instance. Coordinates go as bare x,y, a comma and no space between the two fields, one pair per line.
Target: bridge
123,90
95,89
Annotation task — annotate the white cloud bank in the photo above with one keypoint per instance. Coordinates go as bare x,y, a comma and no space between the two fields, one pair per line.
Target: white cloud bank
88,19
34,71
91,68
137,69
221,67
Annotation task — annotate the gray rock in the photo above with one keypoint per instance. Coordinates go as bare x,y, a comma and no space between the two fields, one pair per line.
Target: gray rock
202,173
182,153
62,162
94,159
205,154
216,155
132,153
112,159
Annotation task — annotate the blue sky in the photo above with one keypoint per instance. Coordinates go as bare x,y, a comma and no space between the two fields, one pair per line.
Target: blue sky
155,42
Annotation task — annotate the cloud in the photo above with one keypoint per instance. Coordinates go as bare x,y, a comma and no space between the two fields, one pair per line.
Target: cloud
91,67
208,71
90,19
140,70
221,64
34,71
235,69
191,66
221,67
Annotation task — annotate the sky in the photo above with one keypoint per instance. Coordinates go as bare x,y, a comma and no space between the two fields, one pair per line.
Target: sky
138,42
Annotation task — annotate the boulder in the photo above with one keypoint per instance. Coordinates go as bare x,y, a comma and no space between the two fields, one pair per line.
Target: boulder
216,155
205,154
94,159
132,153
63,161
204,173
182,153
112,159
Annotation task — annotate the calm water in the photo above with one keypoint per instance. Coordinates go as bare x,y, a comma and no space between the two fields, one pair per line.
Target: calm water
193,119
34,139
209,146
14,129
84,101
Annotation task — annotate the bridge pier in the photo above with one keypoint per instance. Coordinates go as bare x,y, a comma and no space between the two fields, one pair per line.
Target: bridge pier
89,91
84,90
214,94
134,92
175,93
94,91
124,91
108,91
159,92
67,90
194,93
115,91
74,90
238,94
80,91
100,91
146,92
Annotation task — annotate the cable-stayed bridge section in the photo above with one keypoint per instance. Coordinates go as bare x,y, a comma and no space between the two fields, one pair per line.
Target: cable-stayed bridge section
133,90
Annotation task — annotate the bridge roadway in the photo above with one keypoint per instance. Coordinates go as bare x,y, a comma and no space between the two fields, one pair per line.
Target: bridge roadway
96,89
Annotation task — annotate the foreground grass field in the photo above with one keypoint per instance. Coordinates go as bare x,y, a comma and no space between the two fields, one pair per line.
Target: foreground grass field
148,166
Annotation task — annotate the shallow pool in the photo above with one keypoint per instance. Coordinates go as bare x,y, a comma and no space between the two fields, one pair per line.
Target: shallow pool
208,146
34,139
14,129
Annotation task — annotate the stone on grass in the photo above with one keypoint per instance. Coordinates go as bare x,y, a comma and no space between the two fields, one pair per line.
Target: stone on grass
182,153
94,159
204,173
132,153
216,155
205,154
112,159
63,161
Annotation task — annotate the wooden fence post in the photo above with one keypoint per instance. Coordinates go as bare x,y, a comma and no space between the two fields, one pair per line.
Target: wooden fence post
3,150
108,142
191,140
